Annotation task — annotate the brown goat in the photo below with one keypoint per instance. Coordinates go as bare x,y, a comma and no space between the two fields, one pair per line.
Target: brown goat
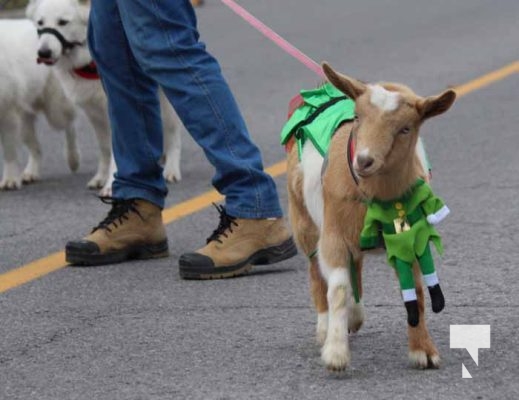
327,210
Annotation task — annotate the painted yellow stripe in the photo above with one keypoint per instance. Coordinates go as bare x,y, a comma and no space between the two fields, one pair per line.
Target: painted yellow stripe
56,261
487,79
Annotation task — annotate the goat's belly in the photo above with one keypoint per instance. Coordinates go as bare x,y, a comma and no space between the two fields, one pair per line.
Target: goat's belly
311,164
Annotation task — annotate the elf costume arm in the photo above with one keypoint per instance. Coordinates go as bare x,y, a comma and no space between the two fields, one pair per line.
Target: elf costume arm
369,237
434,207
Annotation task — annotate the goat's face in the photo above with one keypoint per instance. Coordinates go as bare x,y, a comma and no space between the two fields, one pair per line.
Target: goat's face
388,118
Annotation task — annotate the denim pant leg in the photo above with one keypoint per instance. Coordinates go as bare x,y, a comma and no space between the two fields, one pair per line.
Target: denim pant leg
164,39
133,108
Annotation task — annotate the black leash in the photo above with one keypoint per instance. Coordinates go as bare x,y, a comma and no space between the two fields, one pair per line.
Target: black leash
350,161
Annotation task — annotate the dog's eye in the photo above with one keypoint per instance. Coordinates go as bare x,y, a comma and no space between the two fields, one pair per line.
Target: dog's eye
62,22
405,131
40,22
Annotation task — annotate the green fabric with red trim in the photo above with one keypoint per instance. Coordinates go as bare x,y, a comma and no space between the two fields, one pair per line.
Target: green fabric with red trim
333,108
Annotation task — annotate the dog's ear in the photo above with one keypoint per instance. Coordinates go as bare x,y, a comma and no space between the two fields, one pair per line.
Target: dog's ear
84,10
351,87
436,105
31,8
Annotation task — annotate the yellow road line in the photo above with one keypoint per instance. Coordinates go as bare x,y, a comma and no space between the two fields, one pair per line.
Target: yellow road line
487,79
43,266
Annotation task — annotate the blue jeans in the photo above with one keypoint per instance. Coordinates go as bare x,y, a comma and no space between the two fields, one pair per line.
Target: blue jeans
140,44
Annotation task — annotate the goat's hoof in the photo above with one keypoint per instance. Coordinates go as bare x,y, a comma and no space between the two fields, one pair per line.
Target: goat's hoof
336,355
355,317
421,360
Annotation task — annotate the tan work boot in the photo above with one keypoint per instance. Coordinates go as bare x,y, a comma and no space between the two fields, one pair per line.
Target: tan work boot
133,229
197,3
236,245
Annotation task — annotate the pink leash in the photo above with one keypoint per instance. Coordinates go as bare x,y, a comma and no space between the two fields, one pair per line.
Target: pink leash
274,37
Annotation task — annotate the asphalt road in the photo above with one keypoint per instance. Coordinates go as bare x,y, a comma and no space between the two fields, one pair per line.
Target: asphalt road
136,331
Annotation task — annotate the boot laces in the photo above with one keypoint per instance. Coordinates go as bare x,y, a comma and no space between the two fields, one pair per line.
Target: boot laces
118,214
225,225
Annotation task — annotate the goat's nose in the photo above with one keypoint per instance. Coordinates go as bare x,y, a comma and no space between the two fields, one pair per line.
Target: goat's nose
364,161
44,53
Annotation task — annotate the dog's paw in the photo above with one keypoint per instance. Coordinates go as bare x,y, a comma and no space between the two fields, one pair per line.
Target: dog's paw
336,355
30,176
97,182
10,184
421,360
106,191
172,172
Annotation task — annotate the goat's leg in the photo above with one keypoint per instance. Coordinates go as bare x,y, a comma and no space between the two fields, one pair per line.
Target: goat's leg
422,351
306,235
334,260
356,310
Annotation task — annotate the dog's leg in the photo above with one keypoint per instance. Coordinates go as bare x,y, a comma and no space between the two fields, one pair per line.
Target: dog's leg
10,125
61,114
173,129
99,119
31,172
422,351
106,191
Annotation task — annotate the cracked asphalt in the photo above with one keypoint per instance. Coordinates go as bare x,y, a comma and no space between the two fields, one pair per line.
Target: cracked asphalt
136,331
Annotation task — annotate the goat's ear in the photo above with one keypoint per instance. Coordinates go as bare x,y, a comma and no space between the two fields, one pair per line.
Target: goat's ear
351,87
436,105
31,8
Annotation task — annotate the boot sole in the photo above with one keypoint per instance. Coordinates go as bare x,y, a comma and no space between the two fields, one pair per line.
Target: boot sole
144,252
267,256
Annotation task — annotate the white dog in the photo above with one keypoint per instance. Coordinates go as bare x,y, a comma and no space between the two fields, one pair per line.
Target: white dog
62,29
26,89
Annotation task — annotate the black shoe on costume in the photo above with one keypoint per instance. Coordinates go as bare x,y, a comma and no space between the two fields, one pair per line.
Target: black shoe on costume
413,316
437,299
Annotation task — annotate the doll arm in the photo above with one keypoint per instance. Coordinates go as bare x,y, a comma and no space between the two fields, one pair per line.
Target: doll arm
434,208
438,216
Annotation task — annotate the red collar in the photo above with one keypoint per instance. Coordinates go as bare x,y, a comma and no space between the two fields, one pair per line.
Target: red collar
89,71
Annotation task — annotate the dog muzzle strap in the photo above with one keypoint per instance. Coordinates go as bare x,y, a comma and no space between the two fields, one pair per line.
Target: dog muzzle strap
67,45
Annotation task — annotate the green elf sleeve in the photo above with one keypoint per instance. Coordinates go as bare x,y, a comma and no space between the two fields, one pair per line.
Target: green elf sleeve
434,207
369,237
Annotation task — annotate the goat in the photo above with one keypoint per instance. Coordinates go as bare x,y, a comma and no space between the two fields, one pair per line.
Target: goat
327,205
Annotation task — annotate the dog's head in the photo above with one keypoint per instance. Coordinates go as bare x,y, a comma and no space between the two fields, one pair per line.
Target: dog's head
387,122
61,24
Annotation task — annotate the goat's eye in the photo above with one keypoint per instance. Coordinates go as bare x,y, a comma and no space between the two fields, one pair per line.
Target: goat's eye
40,22
405,131
356,118
62,22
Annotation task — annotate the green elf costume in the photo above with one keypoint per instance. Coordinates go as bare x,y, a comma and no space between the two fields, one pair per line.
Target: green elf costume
407,228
